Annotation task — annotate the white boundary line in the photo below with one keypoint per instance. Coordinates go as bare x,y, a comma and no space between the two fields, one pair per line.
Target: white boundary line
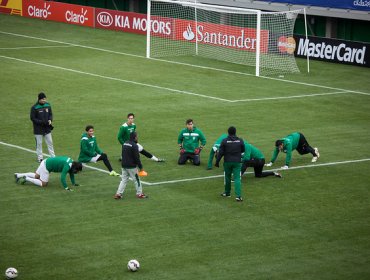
39,47
180,63
202,178
116,79
169,89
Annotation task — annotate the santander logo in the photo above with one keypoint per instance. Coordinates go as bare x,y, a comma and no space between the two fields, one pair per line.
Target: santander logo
188,34
105,19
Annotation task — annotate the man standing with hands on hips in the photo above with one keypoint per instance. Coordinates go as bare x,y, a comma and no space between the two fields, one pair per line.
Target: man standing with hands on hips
42,116
231,149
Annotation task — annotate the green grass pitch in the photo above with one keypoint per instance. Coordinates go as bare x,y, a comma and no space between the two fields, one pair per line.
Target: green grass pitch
312,224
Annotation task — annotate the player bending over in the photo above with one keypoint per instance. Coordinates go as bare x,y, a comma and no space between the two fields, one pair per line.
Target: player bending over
59,164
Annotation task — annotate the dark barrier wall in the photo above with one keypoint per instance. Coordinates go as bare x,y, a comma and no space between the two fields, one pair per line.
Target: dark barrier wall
362,5
331,50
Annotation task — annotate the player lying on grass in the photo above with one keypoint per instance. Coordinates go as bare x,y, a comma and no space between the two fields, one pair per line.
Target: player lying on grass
90,151
294,141
253,157
124,135
60,164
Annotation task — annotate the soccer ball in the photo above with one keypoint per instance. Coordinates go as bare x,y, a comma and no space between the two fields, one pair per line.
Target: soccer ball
11,273
133,265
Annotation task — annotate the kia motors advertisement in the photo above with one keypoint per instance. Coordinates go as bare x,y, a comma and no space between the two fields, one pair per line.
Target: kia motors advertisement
56,11
332,50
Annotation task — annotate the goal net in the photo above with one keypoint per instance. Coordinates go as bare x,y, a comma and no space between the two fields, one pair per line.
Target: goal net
263,40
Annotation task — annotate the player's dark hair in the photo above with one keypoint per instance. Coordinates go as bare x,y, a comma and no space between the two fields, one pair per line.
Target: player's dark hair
76,167
278,143
130,115
88,127
189,121
231,130
133,136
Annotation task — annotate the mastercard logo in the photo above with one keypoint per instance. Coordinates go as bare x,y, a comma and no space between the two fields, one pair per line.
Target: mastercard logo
286,45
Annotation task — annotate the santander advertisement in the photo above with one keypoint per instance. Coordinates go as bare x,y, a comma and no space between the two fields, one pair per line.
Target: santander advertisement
182,30
56,11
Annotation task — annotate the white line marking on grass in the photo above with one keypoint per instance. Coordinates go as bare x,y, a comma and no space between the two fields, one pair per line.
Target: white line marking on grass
251,172
39,47
184,64
116,79
46,155
201,178
287,97
164,88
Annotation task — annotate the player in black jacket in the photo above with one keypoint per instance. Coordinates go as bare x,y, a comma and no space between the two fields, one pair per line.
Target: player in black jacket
131,165
42,116
231,149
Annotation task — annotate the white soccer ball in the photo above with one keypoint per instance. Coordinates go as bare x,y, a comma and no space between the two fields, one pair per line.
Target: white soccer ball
133,265
11,273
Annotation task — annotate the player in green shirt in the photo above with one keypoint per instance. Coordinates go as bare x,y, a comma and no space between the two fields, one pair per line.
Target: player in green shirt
294,141
191,141
253,157
60,164
124,135
214,150
90,151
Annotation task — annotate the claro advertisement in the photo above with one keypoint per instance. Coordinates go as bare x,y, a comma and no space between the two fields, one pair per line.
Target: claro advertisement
332,50
56,11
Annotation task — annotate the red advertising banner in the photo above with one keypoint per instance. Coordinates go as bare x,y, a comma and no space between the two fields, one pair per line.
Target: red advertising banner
57,11
183,30
220,35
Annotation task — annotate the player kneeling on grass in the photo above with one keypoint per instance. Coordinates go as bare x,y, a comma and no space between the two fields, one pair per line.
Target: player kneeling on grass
58,164
253,157
191,141
131,165
294,141
90,151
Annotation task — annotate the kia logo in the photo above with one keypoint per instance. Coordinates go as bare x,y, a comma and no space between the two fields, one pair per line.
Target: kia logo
104,19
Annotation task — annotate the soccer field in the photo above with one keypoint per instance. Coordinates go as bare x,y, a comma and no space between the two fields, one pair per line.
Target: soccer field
314,223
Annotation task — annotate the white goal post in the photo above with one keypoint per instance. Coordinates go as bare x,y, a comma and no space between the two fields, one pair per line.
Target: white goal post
263,40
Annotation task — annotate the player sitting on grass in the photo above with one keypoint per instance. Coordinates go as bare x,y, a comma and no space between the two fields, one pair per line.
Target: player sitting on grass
90,151
124,135
58,164
294,141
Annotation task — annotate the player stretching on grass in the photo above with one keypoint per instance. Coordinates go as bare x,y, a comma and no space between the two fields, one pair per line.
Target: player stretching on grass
61,164
90,151
214,150
253,157
124,135
294,141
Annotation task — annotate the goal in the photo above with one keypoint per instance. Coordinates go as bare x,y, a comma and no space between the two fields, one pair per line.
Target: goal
263,40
